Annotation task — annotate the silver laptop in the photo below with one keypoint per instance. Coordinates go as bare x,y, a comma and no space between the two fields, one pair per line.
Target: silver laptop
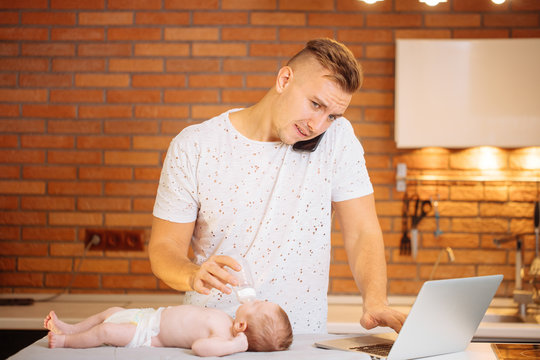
442,320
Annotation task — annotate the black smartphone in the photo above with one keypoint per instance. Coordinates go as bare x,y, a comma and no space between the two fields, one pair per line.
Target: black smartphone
308,145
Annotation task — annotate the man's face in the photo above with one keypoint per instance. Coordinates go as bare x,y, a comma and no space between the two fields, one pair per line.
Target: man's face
308,104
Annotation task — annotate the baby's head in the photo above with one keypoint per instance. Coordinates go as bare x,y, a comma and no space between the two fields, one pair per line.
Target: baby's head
266,325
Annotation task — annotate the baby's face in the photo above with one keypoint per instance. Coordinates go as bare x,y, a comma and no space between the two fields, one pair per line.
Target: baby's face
255,308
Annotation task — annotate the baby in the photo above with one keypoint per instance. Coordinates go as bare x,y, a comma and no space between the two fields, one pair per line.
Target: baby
258,326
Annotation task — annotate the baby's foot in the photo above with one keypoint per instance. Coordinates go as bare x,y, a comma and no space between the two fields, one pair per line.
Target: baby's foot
56,340
56,325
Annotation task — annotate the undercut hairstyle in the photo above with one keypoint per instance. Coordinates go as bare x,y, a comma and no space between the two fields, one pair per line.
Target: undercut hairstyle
269,332
336,58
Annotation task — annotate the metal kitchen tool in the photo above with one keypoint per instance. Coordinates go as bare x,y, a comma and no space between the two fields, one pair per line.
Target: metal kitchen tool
421,208
535,266
438,231
405,243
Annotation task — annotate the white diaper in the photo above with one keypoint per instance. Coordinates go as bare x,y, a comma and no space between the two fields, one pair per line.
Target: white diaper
147,321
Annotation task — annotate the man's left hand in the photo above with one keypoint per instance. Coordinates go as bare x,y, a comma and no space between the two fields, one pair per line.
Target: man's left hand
382,316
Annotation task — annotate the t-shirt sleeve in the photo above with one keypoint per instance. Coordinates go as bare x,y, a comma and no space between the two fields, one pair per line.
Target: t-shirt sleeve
350,175
176,198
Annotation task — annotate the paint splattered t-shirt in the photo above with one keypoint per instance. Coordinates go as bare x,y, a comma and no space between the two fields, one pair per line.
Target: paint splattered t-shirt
266,202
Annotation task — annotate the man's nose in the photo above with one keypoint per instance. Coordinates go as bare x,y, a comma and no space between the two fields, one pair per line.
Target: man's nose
317,122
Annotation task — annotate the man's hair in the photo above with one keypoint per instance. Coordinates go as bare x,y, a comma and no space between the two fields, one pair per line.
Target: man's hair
269,332
336,58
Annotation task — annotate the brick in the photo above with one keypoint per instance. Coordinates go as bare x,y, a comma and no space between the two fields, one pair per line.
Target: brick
144,205
75,218
378,83
276,18
158,81
394,20
221,81
511,209
207,111
131,127
136,65
103,204
481,33
242,96
129,219
78,65
9,141
48,49
74,188
78,34
131,158
161,112
191,96
103,142
422,34
21,279
190,33
304,34
175,126
479,225
108,49
525,159
260,81
48,18
279,50
151,142
23,249
133,96
74,157
523,193
365,36
220,18
10,233
9,202
513,20
105,173
192,4
23,95
102,80
149,173
479,158
162,18
340,270
452,20
49,111
140,267
76,96
526,5
47,203
338,20
12,34
64,280
192,65
306,5
23,218
219,49
106,18
373,99
248,4
130,282
105,112
24,64
50,172
8,80
162,49
343,286
73,126
102,266
48,234
40,80
78,4
22,156
372,130
7,264
252,65
9,18
118,34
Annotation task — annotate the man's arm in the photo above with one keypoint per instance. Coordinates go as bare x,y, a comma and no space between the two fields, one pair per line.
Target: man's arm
364,245
216,346
168,253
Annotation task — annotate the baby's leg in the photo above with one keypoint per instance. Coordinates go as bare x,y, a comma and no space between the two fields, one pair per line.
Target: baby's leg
57,326
102,334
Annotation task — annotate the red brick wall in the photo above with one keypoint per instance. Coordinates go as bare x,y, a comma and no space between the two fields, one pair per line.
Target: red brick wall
92,91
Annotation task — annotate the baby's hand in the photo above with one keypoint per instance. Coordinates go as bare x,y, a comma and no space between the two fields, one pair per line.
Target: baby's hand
241,339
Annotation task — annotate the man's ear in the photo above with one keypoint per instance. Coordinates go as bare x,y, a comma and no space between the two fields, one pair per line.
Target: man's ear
240,326
284,77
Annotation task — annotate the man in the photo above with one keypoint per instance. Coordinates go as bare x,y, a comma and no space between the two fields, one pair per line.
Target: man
235,186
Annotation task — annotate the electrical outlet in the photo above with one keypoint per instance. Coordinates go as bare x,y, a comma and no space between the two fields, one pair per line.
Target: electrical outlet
115,240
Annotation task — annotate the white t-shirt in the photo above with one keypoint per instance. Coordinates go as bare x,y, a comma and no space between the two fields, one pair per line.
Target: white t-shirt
266,202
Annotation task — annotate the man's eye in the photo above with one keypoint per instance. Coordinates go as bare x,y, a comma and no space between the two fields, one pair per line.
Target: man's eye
315,105
332,117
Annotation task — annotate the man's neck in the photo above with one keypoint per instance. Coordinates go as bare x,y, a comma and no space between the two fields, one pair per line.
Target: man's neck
255,122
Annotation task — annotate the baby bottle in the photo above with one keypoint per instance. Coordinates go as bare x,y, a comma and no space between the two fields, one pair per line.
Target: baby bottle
245,291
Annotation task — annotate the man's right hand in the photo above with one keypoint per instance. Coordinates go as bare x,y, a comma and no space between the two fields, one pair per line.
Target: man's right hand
211,274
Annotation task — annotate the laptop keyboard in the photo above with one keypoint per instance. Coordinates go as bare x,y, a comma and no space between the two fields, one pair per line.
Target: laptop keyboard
377,349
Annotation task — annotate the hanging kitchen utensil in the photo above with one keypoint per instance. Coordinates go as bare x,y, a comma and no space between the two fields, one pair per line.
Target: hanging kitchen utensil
405,243
421,208
535,266
438,231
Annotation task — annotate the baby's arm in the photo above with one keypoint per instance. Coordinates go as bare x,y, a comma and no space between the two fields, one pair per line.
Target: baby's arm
216,346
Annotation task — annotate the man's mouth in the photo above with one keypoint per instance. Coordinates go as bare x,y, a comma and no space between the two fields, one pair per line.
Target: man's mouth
302,132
